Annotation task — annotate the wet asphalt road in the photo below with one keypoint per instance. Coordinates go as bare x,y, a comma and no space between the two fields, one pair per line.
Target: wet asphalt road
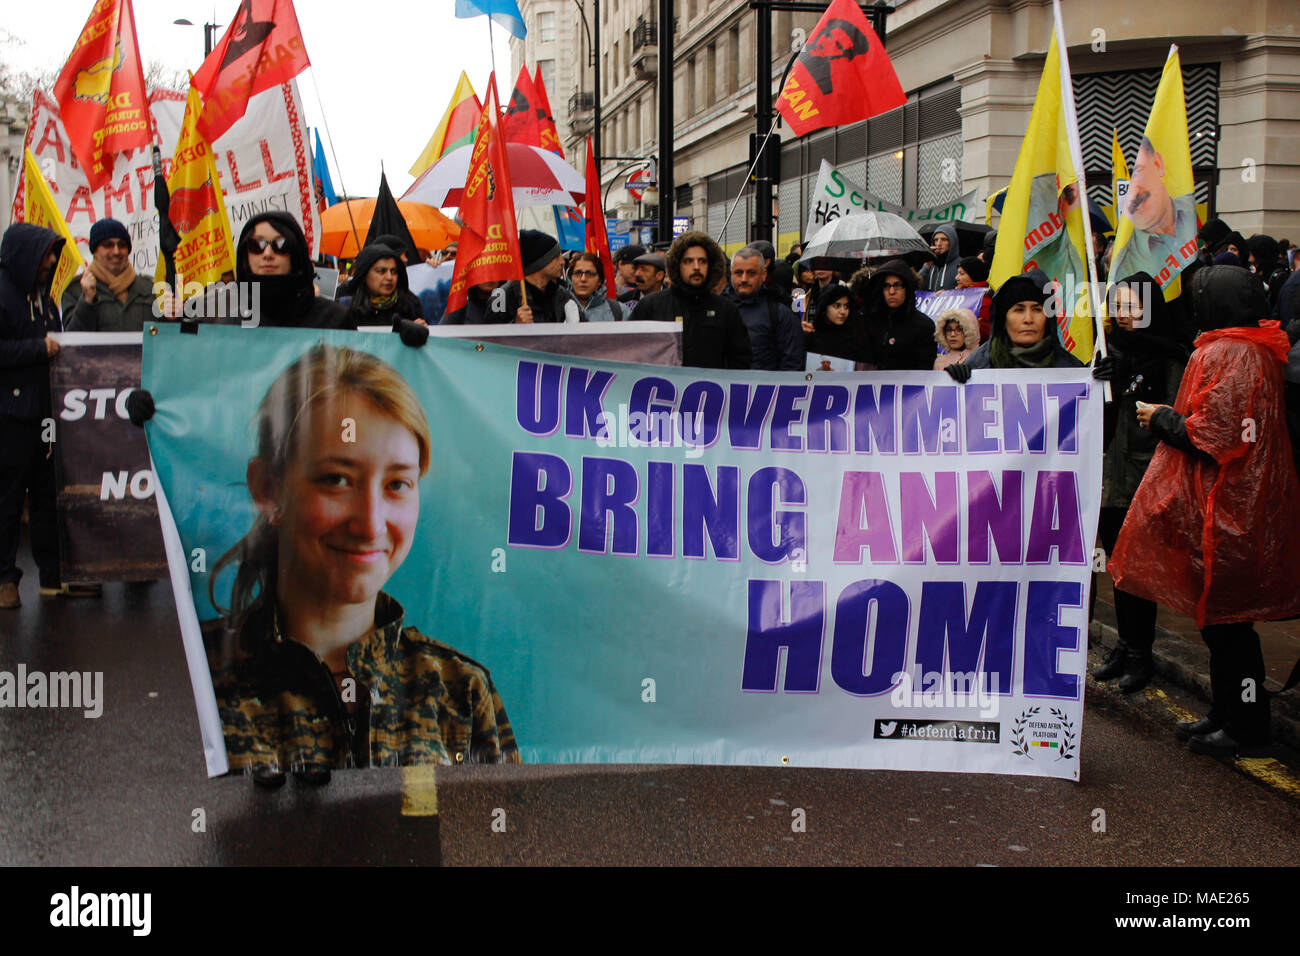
125,788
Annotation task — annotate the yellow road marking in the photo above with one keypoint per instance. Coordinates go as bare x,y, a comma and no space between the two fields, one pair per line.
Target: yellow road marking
1266,770
419,791
1271,772
1159,696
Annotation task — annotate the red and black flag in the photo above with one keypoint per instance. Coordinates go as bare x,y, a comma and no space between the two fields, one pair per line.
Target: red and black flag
260,49
842,74
521,123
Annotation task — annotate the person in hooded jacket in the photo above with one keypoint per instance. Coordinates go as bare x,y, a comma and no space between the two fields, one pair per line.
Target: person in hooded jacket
1263,256
1023,335
1211,530
958,334
28,254
272,253
713,334
899,335
941,274
584,299
380,294
836,327
1146,353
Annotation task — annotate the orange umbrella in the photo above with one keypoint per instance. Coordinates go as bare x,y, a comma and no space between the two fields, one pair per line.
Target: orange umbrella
429,228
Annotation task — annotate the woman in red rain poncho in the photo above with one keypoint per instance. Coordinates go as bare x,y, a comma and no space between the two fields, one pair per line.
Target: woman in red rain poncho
1212,530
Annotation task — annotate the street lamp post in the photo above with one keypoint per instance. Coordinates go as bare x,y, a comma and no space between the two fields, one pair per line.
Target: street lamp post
209,34
593,60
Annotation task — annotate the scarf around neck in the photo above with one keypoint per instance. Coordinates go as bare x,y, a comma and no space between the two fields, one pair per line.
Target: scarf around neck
119,285
1003,354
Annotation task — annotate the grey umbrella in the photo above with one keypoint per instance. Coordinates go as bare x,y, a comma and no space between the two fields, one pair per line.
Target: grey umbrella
850,241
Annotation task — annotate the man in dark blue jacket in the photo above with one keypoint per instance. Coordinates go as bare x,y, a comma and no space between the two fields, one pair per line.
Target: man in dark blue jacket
27,315
775,335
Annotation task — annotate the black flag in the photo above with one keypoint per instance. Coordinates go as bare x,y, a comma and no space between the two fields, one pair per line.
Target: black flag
387,221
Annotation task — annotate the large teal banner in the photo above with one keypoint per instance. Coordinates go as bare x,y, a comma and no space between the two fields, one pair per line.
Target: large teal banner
621,563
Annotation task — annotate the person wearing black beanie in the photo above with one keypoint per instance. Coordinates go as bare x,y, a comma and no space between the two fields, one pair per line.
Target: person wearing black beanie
543,269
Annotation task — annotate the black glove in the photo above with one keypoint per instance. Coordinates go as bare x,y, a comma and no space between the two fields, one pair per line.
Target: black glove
1106,369
139,407
413,333
959,371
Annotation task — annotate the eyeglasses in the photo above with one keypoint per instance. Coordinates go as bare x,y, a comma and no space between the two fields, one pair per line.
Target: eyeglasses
583,274
278,245
889,286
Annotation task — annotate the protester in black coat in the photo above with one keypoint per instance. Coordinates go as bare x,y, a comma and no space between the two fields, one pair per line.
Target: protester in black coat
478,310
28,314
1146,355
713,335
775,338
285,281
372,302
900,335
840,334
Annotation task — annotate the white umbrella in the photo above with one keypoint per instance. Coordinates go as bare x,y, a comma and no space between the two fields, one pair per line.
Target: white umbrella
537,178
859,236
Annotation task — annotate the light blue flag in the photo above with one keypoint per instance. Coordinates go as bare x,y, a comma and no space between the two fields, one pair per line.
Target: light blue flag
571,228
324,186
504,12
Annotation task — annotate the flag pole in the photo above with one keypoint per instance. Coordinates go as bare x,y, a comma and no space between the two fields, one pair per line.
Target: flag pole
758,155
1076,160
347,203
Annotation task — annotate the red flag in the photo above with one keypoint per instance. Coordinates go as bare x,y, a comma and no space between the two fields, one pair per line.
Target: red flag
550,136
489,235
521,124
101,91
260,49
597,238
842,74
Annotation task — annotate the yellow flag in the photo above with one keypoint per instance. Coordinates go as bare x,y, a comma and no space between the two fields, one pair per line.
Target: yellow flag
1118,178
198,209
1042,215
1157,230
40,209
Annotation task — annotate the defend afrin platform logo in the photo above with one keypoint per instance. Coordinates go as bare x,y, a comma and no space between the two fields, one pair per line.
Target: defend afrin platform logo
1054,736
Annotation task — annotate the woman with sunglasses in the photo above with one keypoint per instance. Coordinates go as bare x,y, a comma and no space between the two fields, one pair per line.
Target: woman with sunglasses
272,257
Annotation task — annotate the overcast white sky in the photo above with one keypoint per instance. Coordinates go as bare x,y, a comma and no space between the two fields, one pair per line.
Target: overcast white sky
385,68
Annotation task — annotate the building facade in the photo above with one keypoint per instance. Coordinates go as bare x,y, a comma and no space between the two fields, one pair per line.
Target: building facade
13,129
970,69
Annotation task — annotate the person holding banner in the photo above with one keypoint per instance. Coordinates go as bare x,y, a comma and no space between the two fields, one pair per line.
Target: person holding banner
1211,529
28,315
110,297
834,330
313,666
273,261
380,293
1022,335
